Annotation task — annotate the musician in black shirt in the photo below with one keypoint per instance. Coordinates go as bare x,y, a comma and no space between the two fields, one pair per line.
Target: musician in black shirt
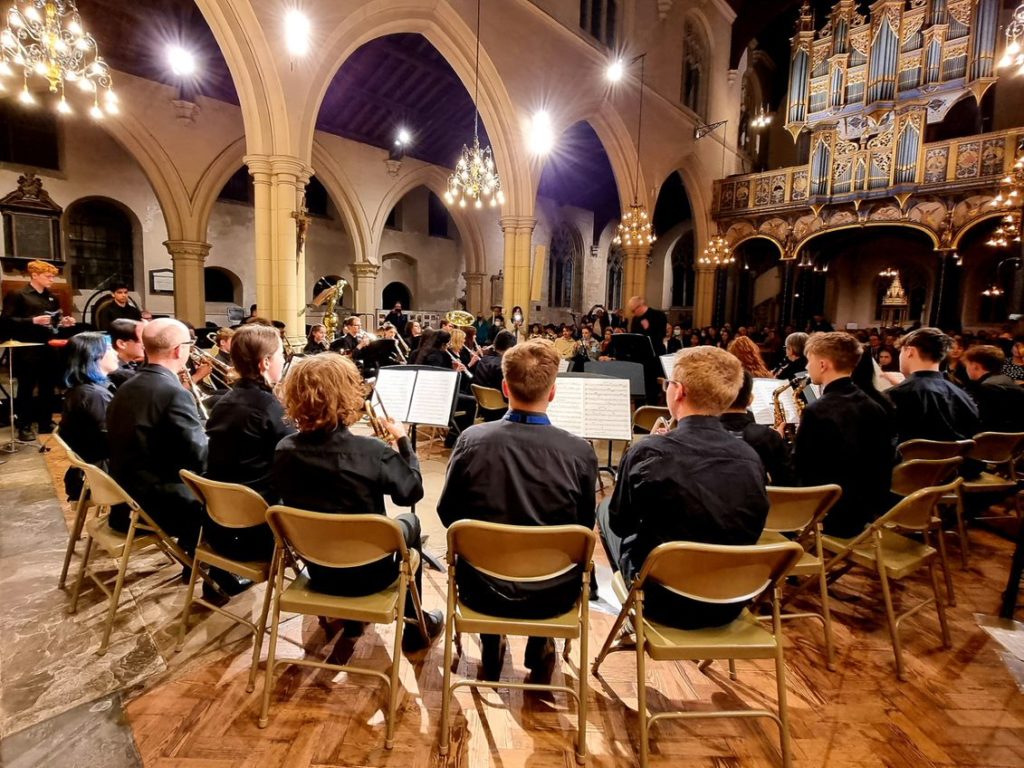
487,372
694,483
353,340
126,338
795,362
648,321
116,308
770,447
844,437
546,477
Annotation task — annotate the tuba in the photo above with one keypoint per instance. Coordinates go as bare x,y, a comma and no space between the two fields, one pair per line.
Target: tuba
330,296
459,318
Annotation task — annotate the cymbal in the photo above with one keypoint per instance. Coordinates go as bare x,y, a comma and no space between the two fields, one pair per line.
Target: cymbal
12,344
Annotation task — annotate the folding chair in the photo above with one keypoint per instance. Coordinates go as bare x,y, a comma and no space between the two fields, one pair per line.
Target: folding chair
142,532
1000,452
800,512
645,417
718,574
341,541
519,553
932,450
892,556
488,399
231,506
913,475
82,507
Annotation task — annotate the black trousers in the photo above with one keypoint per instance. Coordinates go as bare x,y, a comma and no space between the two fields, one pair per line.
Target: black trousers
35,368
367,579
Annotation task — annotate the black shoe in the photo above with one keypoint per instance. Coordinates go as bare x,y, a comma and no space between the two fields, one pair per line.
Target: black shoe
593,586
229,583
492,657
540,657
213,597
412,639
26,434
46,429
354,628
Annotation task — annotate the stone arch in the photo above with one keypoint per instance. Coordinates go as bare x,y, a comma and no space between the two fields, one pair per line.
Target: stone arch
217,273
697,184
138,257
455,39
859,225
341,189
761,236
436,180
967,227
210,184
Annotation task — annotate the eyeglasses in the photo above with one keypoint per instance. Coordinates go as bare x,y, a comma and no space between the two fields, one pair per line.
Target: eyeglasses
666,383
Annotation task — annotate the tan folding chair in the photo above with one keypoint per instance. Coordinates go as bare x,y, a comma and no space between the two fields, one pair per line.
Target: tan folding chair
488,399
524,554
800,513
712,573
913,475
231,506
645,417
894,557
932,450
142,532
341,541
82,507
1000,452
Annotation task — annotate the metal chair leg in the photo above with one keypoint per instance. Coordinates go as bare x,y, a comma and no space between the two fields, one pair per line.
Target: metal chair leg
187,609
890,614
115,596
268,678
81,508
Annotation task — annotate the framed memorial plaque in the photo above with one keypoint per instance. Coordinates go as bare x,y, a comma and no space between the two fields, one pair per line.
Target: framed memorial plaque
31,223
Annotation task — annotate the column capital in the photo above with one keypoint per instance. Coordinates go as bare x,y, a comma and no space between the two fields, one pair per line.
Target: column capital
474,276
187,250
263,166
517,223
636,250
365,269
259,167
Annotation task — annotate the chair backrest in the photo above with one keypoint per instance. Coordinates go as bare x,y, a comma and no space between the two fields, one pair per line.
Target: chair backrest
488,398
915,512
103,489
797,509
72,456
916,474
932,450
228,504
520,552
997,447
645,416
336,540
718,573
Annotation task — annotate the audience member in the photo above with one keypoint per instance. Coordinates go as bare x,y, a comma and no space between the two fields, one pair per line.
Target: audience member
999,398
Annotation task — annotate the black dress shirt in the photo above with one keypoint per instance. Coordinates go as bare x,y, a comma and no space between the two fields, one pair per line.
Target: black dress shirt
657,321
770,447
397,319
83,426
929,407
112,311
487,372
314,348
244,429
845,437
695,483
336,471
792,368
1000,403
124,372
21,307
519,474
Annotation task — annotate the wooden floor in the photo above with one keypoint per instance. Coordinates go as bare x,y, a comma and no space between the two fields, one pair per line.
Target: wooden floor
959,707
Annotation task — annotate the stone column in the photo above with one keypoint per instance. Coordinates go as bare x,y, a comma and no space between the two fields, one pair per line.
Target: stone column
475,292
634,270
188,258
366,287
279,183
704,296
518,232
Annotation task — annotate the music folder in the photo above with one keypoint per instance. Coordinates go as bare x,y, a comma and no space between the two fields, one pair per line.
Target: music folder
594,408
417,394
668,362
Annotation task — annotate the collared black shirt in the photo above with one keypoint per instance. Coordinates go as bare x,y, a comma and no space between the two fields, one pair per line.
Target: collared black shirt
124,372
397,319
792,368
770,447
929,407
244,429
657,321
487,372
845,437
112,311
83,422
1000,403
20,307
314,348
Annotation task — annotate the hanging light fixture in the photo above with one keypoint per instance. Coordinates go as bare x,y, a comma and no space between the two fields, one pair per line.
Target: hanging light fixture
717,253
1013,55
45,38
762,119
635,227
475,178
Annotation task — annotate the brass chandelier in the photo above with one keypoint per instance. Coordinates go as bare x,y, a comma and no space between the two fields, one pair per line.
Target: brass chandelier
45,38
1009,200
635,227
717,253
475,177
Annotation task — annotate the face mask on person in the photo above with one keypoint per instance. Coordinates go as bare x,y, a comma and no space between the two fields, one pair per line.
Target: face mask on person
677,332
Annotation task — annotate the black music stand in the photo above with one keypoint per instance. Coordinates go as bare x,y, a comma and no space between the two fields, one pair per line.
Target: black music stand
637,348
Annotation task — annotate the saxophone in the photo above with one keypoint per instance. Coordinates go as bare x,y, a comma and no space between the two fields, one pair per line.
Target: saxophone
330,297
780,412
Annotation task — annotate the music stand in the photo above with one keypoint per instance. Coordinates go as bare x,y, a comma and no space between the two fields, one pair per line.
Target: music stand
637,348
10,346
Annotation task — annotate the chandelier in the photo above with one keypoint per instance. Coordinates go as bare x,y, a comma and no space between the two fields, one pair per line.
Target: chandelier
1013,56
475,177
1008,200
45,38
717,252
762,119
635,227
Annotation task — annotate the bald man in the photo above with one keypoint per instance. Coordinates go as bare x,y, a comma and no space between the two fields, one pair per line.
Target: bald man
154,430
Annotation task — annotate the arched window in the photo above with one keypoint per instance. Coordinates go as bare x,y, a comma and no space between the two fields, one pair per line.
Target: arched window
99,244
222,286
695,69
614,278
684,278
565,268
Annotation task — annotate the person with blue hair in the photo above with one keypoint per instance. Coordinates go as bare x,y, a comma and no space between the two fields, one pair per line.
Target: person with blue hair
83,422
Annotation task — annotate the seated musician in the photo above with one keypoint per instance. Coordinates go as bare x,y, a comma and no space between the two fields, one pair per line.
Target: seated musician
928,405
795,361
1000,399
244,429
223,341
83,421
316,342
126,338
694,483
844,437
433,351
352,339
325,468
487,372
546,477
768,443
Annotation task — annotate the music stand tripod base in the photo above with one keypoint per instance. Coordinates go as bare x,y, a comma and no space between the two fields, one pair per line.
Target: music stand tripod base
14,445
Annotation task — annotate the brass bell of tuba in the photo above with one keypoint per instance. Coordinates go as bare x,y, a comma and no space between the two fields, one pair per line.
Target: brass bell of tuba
459,318
330,296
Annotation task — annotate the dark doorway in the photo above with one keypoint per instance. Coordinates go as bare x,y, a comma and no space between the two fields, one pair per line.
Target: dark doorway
395,293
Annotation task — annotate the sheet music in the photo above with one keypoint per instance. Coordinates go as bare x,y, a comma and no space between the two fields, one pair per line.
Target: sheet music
592,408
432,397
563,366
668,362
394,389
763,406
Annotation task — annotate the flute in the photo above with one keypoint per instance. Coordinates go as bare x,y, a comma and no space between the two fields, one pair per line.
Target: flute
455,359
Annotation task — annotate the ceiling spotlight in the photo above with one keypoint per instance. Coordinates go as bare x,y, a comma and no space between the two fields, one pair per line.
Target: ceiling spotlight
542,135
181,61
403,137
296,32
615,71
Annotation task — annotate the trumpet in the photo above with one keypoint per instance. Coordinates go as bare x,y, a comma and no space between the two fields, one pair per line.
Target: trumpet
186,381
660,423
379,430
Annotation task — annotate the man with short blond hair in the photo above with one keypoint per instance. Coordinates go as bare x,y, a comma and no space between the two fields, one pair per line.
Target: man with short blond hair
694,483
521,470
